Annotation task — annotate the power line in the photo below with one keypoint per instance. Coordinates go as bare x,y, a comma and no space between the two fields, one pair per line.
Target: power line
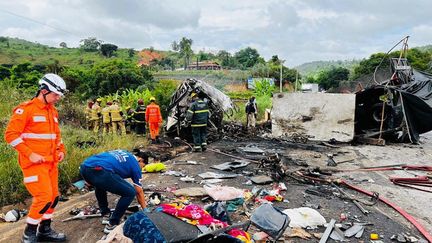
38,22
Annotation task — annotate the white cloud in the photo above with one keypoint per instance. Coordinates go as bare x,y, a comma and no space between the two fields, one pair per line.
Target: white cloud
297,31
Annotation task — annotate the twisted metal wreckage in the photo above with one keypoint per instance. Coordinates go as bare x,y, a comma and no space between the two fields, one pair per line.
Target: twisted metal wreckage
219,104
398,109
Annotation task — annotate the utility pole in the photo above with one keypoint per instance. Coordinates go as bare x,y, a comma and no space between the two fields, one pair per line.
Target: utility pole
296,80
280,81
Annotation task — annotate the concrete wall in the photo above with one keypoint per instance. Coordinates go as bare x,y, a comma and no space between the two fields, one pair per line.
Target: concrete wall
319,116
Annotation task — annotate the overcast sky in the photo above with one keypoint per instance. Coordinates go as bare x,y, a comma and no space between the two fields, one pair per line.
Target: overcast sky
297,31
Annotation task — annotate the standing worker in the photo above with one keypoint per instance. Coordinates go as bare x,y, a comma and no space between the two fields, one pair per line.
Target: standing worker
139,118
87,113
106,119
154,118
251,110
198,115
106,172
95,114
34,132
117,118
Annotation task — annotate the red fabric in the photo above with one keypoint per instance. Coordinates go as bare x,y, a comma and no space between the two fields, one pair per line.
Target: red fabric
201,217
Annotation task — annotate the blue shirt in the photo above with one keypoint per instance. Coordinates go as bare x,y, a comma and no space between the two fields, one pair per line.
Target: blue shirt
120,162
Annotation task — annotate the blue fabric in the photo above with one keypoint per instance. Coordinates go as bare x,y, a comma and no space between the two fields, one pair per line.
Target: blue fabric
141,229
106,181
120,162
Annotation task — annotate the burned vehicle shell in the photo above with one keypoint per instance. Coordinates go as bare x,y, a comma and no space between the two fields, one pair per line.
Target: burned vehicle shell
398,109
219,104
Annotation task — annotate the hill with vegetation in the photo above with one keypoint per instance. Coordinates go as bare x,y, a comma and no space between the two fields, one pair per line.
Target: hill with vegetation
315,67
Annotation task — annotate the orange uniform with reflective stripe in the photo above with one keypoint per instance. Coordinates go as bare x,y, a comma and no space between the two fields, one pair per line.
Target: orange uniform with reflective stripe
34,128
153,117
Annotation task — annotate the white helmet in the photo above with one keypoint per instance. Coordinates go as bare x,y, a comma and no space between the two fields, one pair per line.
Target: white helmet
53,83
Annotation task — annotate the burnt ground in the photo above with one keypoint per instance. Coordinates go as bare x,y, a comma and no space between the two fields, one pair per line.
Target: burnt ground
295,156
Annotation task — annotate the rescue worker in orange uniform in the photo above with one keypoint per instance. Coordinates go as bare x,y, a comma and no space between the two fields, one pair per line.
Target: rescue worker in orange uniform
154,118
34,132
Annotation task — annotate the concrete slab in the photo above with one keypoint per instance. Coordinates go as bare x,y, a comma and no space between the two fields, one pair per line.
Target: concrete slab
318,116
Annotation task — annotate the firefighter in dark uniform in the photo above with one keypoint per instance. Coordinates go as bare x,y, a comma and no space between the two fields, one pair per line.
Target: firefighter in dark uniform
198,115
138,118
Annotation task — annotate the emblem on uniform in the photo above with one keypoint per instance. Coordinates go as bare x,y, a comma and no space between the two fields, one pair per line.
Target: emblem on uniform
19,111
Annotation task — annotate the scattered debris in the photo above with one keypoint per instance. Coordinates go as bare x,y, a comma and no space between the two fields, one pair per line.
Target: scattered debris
304,217
214,175
191,192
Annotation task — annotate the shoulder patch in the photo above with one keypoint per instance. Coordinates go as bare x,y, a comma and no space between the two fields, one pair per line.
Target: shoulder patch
19,111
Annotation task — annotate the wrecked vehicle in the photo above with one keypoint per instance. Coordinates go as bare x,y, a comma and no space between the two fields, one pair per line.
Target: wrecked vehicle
398,109
219,104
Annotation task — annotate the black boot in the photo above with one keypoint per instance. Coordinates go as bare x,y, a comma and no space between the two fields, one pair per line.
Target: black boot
47,234
29,235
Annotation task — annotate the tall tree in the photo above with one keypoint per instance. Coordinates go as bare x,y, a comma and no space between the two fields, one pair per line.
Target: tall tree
4,40
331,78
247,57
225,58
108,49
184,47
90,44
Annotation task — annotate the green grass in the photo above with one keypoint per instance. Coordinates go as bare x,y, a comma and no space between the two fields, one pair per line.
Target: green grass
12,189
21,51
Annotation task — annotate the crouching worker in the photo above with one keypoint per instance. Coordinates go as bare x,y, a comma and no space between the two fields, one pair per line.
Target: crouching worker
106,172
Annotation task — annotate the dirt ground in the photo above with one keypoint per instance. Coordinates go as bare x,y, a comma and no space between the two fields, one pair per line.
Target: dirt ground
381,219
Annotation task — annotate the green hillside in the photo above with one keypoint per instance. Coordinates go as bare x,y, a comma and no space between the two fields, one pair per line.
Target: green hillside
313,68
16,51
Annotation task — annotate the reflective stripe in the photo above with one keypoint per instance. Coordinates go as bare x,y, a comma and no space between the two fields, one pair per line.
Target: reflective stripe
198,125
32,221
190,111
55,120
16,142
47,216
39,135
30,179
201,111
39,119
204,144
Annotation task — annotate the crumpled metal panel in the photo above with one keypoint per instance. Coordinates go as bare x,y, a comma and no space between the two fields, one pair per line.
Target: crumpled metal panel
219,103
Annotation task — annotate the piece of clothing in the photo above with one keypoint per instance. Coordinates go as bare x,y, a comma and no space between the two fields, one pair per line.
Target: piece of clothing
118,124
116,236
199,136
106,128
251,107
198,113
106,118
140,228
154,130
41,181
139,119
153,114
120,162
251,120
196,215
105,181
34,128
140,128
139,115
116,113
95,112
